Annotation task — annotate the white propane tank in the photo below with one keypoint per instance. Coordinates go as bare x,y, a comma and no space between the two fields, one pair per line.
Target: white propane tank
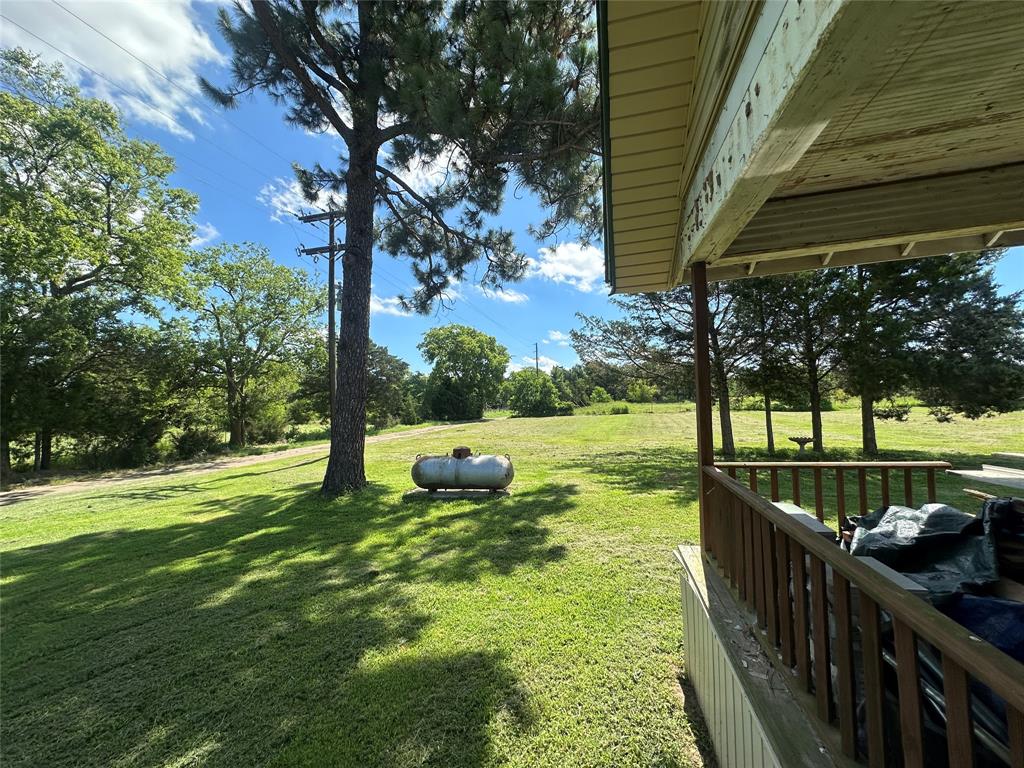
463,471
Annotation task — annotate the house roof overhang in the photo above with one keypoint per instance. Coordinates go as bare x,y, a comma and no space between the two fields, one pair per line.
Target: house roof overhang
764,138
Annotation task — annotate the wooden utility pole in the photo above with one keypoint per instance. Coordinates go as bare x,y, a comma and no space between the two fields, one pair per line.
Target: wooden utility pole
536,357
332,292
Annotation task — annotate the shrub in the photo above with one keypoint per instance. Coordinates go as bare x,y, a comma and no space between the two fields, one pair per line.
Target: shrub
564,409
618,410
531,393
892,411
600,395
640,392
197,441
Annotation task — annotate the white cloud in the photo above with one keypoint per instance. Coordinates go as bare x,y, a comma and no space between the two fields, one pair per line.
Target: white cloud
562,339
546,364
205,233
508,295
166,35
577,265
285,199
387,305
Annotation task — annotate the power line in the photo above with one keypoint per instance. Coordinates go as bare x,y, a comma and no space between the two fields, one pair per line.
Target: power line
156,71
131,95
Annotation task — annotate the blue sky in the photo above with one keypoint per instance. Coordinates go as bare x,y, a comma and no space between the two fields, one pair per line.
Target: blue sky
238,162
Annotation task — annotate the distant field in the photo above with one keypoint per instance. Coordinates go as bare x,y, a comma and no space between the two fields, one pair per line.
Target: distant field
235,618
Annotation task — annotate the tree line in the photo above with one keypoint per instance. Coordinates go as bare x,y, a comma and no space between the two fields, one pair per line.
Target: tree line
934,328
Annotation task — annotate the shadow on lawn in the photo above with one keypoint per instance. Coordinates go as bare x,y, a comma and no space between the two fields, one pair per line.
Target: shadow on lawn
643,471
244,638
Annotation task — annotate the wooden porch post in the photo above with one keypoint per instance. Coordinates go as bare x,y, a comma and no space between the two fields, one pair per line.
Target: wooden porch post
702,374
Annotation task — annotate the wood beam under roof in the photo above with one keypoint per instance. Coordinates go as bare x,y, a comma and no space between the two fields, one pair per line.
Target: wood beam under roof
905,213
726,269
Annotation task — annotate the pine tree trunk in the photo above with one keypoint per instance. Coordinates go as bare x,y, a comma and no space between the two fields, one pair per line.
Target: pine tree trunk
36,445
768,427
345,467
867,425
722,382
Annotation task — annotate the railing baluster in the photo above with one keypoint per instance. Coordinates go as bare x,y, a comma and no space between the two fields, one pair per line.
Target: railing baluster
729,535
753,480
885,486
1015,723
932,494
762,618
748,556
958,713
736,550
908,487
862,489
770,581
907,678
732,472
819,628
782,594
819,499
846,688
874,690
841,498
800,633
775,484
795,480
741,560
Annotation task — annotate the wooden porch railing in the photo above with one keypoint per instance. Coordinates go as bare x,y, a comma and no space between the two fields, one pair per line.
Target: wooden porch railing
769,558
781,473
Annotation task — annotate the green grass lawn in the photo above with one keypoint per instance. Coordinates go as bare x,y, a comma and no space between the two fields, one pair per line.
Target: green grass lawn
235,618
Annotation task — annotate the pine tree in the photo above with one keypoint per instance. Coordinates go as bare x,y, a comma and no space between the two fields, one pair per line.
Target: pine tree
497,94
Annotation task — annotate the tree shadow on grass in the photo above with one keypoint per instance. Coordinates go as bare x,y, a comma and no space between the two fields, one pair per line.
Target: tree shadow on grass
639,472
239,637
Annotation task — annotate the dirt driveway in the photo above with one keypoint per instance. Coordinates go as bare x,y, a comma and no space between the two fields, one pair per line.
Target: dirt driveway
134,476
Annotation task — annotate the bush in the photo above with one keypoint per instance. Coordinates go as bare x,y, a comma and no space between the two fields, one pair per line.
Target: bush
618,410
531,393
600,395
196,442
640,392
564,409
892,411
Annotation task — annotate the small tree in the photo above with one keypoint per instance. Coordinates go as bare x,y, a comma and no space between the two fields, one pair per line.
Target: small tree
641,392
532,393
600,395
468,370
249,312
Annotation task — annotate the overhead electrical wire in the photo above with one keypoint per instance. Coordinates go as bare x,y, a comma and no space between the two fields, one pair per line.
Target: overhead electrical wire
141,101
156,71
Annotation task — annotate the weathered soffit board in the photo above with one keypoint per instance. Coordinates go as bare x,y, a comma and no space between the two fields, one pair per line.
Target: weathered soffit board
796,71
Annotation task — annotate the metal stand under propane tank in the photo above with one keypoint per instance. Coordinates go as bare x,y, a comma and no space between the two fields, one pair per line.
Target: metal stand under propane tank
463,471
